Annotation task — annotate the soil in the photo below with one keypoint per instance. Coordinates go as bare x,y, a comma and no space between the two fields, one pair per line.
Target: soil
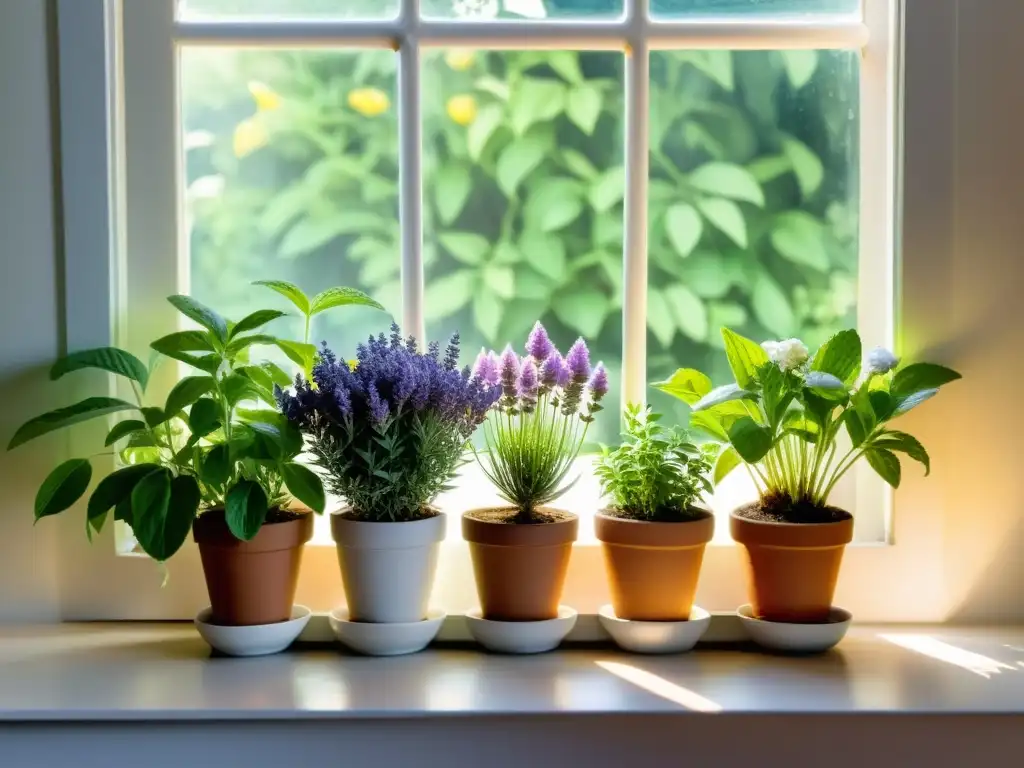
780,508
275,515
423,514
667,515
511,515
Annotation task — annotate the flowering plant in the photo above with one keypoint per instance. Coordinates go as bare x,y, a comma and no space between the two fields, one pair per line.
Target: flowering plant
657,473
391,429
783,416
540,419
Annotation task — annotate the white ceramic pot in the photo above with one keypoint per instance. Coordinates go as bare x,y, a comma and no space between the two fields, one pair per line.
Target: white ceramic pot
796,638
655,636
388,568
521,636
392,639
254,639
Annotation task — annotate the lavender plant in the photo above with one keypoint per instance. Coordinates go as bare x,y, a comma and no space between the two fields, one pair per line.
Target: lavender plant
540,420
391,430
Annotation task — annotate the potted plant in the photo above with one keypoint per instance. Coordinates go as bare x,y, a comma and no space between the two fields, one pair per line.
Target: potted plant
654,532
521,552
782,419
389,431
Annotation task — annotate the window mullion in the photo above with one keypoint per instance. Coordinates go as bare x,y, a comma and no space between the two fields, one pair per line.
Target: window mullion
410,171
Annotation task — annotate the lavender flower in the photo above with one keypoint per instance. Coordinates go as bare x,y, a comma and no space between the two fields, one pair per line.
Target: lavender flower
578,361
538,344
527,386
554,373
598,384
485,369
509,371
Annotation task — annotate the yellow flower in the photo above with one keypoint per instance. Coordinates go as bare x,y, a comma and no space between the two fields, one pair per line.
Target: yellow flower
462,109
250,135
265,98
459,59
369,101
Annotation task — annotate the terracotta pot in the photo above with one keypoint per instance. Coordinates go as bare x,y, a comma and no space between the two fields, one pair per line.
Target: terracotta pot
792,568
653,567
251,582
520,568
387,568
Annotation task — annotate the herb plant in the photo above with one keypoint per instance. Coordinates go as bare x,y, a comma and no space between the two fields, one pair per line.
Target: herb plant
391,429
656,473
199,450
784,414
540,420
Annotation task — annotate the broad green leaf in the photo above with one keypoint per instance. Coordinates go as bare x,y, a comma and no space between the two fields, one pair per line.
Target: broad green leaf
482,128
690,313
154,416
751,440
920,376
608,190
277,374
806,165
722,394
215,468
579,164
501,280
304,485
505,254
313,232
554,205
854,427
340,297
204,417
727,217
727,180
178,345
452,184
885,464
487,310
565,63
882,404
534,100
114,489
800,238
716,64
236,346
123,428
711,423
467,247
254,320
745,357
684,227
150,499
687,384
245,509
236,388
800,66
290,291
63,487
905,404
727,461
772,307
894,440
90,408
660,319
517,160
299,353
202,314
109,359
769,167
840,356
449,293
186,392
181,512
711,275
583,106
284,207
584,309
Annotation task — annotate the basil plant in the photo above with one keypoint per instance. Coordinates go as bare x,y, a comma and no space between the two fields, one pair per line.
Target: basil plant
217,441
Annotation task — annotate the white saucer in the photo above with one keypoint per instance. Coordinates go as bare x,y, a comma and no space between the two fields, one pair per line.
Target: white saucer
521,636
796,638
385,639
257,640
655,636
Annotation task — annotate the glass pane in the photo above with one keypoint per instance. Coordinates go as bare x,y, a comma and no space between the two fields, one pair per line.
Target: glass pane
521,9
753,204
280,9
523,200
291,173
748,7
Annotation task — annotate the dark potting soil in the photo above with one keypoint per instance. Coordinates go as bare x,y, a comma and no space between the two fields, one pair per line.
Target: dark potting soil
424,513
665,515
274,515
780,508
511,515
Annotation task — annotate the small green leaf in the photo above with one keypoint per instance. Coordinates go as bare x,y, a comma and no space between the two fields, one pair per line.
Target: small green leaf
854,427
751,440
727,217
684,227
608,190
517,161
186,392
727,461
254,320
584,309
299,353
920,376
659,317
565,63
114,489
245,509
745,357
545,253
800,238
452,185
722,394
487,311
583,106
90,408
885,464
236,388
123,428
340,297
313,232
687,384
554,205
691,314
200,313
155,416
727,180
769,167
215,469
204,417
806,165
771,306
534,100
482,128
236,346
178,345
109,359
840,356
579,164
501,280
290,291
800,66
304,485
894,440
467,247
63,487
449,293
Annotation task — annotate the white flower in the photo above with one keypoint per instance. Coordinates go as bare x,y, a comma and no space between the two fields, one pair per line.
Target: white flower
788,354
881,360
475,9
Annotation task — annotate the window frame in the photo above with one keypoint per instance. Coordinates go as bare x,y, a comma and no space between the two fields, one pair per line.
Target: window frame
98,37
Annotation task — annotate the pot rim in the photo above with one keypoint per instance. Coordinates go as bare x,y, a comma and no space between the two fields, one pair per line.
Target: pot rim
786,535
492,533
655,534
271,537
387,534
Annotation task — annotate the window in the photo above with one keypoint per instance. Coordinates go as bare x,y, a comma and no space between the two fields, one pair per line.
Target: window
640,172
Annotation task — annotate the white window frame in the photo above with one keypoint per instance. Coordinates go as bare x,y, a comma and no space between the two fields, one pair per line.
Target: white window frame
108,159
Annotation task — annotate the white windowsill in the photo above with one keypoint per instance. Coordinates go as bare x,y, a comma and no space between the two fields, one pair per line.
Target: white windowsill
162,672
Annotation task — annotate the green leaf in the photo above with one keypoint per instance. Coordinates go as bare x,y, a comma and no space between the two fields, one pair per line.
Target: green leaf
313,232
114,489
290,291
277,375
745,357
717,65
186,392
340,297
204,417
690,313
751,440
584,309
254,320
920,376
545,253
501,280
517,160
554,205
727,180
583,106
727,217
722,394
659,317
90,408
711,423
482,128
452,184
449,293
487,311
684,227
200,313
505,254
806,166
178,345
566,64
150,499
215,469
63,487
235,388
909,402
299,353
245,509
236,346
800,238
687,384
840,356
800,66
534,100
894,440
304,485
123,428
109,359
882,404
579,164
467,247
727,461
769,167
854,427
771,306
885,464
608,190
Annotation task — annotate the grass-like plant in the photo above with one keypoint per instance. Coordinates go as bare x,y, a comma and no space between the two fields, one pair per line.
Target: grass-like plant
656,473
539,423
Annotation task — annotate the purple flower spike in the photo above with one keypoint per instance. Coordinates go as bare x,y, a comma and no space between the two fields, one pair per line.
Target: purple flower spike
379,409
598,383
538,344
578,361
527,384
485,370
509,371
553,372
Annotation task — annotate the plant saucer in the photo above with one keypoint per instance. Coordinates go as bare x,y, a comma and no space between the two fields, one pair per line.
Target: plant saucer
521,636
655,636
385,638
796,638
254,640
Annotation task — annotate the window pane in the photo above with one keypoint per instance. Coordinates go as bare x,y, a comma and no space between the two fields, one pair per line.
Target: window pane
748,7
523,200
291,173
522,9
753,204
280,9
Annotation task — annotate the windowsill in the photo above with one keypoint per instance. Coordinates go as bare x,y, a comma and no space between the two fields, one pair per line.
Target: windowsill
164,672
